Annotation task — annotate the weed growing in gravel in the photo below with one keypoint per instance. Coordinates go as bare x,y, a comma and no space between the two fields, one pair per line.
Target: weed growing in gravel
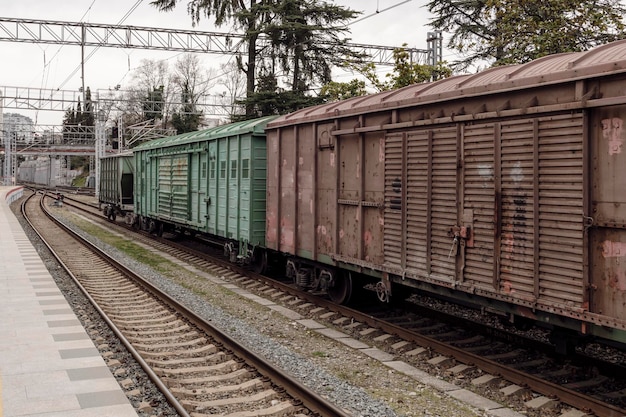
319,354
133,250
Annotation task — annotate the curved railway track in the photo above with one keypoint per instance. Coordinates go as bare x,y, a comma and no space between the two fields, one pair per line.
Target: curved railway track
201,370
460,350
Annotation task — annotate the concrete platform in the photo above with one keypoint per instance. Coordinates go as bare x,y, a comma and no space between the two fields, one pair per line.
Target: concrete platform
48,364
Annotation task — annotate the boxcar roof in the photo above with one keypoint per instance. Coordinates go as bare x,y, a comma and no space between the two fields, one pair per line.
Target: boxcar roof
124,153
605,59
256,126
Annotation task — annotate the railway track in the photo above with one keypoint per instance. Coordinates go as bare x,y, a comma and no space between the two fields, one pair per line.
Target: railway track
201,370
462,351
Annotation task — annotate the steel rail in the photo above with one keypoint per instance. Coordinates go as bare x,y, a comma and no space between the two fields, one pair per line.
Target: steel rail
565,395
147,369
292,386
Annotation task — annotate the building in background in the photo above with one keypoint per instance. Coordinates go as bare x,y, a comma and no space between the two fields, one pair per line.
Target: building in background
18,127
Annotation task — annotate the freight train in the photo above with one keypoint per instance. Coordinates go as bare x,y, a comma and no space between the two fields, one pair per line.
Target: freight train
505,189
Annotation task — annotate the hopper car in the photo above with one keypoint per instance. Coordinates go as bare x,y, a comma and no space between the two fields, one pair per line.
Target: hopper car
504,189
116,197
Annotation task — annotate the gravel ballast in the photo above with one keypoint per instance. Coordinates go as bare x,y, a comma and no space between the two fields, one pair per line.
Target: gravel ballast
354,381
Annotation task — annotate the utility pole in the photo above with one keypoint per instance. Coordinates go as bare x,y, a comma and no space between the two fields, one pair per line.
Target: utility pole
100,143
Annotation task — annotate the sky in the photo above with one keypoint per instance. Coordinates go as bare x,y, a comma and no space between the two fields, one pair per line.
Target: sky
383,22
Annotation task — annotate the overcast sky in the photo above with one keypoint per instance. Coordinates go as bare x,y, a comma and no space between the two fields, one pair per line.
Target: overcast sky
51,66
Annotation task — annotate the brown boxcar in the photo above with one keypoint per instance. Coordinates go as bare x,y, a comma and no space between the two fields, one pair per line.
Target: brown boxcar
506,188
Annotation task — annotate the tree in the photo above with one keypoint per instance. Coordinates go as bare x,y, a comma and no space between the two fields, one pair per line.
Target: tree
191,83
88,117
151,92
271,99
234,85
243,14
153,104
189,118
79,124
306,40
511,31
304,43
303,38
335,91
404,73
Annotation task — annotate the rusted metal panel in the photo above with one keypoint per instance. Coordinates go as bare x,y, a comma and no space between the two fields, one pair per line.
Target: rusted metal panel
394,204
421,202
478,196
326,205
350,195
287,222
444,203
517,214
360,197
373,186
274,202
305,190
418,209
560,237
560,68
608,234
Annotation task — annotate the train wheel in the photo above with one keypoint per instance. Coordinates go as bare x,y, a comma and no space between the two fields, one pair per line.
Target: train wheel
341,291
259,263
383,294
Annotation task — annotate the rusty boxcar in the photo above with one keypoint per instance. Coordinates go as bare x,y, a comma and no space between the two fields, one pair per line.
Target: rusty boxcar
505,188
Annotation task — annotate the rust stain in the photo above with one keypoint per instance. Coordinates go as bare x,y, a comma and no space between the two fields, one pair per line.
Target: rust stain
507,287
381,150
612,131
613,249
367,238
617,279
286,235
508,241
271,227
615,272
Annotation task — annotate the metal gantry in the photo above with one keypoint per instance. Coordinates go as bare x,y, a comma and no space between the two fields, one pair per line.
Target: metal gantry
177,40
137,37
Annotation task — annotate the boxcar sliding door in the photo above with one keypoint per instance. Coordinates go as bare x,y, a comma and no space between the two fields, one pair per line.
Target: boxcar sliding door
421,203
608,213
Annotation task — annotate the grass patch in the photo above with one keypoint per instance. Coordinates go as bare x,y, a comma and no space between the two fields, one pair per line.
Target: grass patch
138,253
319,354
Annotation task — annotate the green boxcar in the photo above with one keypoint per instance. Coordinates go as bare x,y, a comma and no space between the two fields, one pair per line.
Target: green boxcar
210,181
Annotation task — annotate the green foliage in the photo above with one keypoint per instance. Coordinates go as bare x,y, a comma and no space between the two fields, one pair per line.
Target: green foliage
75,117
188,119
305,41
513,31
270,99
153,104
334,91
404,73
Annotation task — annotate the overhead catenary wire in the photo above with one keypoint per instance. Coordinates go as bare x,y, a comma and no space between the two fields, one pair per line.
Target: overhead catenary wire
378,12
69,77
